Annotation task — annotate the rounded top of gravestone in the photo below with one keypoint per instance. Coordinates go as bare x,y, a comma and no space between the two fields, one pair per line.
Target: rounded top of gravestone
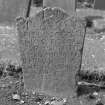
56,14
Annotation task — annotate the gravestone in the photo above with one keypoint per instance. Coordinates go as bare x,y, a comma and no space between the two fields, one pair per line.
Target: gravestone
51,45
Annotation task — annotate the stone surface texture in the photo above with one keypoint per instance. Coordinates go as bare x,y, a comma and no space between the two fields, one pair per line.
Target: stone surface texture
51,45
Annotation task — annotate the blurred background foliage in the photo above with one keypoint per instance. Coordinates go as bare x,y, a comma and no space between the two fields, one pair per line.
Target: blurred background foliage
10,9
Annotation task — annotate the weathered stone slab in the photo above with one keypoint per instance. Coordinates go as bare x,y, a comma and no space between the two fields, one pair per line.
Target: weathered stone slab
51,46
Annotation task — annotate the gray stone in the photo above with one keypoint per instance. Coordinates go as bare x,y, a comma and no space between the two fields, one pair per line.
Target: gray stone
51,46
